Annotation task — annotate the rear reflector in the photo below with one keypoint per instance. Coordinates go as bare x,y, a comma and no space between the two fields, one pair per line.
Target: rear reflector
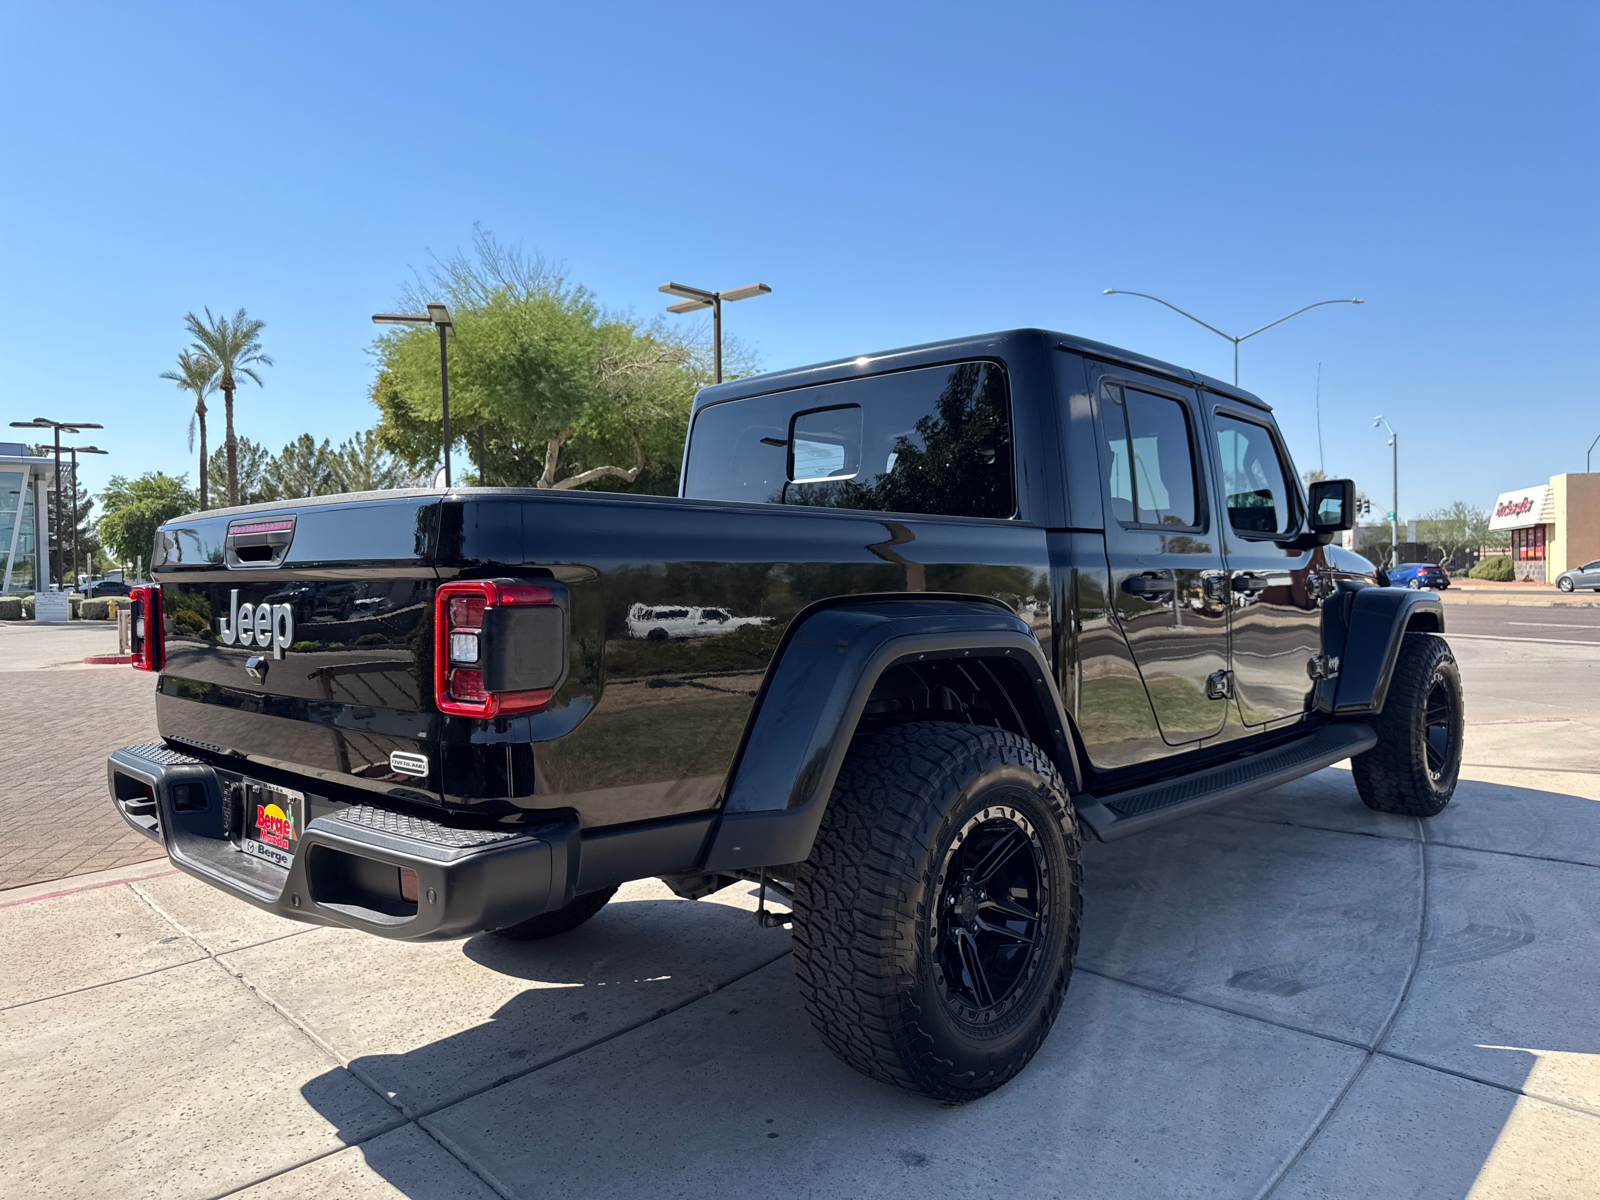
408,884
459,619
148,648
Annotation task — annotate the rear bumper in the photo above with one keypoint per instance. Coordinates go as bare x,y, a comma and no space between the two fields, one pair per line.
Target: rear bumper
346,867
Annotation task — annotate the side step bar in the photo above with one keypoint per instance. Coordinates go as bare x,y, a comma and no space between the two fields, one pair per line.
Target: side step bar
1122,813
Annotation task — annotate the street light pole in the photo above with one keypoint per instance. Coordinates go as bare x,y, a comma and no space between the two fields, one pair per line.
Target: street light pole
1394,517
1218,332
700,298
1592,445
60,427
439,317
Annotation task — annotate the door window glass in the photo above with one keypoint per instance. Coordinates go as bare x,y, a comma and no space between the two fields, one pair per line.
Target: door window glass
1253,479
1150,459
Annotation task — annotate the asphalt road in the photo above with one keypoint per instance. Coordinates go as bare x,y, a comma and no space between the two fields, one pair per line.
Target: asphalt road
1533,622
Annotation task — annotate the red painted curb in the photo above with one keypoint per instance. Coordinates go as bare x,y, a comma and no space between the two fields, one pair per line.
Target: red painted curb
107,660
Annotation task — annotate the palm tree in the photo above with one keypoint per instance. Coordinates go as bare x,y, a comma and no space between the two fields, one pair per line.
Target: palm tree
196,373
234,346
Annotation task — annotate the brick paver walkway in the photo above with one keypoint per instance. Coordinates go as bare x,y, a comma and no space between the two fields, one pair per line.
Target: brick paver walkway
56,728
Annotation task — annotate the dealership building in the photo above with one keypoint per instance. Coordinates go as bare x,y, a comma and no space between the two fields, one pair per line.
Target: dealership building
1550,527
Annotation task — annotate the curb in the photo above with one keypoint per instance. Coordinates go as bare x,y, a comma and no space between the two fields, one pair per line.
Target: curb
108,660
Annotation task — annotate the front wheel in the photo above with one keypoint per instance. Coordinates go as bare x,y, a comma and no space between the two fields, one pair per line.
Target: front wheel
936,920
1565,584
1413,769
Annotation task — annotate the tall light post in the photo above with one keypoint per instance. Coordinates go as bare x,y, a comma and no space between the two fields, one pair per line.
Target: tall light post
60,427
1229,336
700,298
439,317
1592,445
75,451
1394,517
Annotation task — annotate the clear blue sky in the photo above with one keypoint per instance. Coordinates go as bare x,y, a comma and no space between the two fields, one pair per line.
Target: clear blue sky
897,174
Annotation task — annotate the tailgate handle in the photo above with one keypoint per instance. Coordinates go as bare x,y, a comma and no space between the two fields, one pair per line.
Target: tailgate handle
258,541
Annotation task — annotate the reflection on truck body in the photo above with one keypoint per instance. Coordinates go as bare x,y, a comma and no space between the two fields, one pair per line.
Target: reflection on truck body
664,622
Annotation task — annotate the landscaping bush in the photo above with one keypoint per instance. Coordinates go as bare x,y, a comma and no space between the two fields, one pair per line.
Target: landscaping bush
10,608
95,610
1497,570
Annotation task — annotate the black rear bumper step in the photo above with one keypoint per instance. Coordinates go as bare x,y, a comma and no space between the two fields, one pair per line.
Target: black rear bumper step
1122,813
348,862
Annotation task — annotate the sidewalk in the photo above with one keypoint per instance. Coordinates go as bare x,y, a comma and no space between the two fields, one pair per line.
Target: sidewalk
1292,995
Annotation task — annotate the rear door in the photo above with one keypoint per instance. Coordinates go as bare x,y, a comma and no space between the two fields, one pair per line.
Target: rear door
1273,593
1162,549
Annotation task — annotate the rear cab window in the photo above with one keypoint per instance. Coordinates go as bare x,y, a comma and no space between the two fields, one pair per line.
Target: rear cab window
933,440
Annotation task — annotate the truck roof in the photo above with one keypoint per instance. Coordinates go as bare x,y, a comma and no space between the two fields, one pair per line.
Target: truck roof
1004,344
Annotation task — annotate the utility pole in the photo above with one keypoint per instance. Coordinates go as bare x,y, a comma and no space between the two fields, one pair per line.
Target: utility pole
1394,517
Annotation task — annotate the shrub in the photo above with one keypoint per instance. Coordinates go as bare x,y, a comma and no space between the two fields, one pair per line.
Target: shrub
95,610
10,608
1497,570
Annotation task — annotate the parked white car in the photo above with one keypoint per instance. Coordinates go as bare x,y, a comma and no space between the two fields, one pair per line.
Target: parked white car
674,622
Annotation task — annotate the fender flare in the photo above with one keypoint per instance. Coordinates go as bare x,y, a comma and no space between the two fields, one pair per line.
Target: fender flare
1364,627
811,703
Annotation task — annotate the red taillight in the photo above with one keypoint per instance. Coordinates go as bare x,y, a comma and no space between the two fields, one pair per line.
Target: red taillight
148,645
458,652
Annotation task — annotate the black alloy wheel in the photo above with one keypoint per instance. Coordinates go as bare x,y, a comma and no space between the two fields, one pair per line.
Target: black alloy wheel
1440,724
991,915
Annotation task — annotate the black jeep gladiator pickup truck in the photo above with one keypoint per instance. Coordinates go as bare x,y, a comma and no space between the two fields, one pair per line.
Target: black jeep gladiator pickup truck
917,624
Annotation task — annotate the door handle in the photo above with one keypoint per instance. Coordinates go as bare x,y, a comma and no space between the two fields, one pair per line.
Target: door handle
1149,587
1249,584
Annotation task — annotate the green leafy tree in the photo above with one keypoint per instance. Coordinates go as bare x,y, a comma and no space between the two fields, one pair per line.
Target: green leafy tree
1456,527
134,509
303,469
235,346
252,462
546,388
362,465
196,373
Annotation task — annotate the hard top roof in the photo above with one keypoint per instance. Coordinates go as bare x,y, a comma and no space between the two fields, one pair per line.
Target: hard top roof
999,345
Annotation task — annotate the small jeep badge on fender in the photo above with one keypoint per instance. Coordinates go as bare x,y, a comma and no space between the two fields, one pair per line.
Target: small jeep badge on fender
408,764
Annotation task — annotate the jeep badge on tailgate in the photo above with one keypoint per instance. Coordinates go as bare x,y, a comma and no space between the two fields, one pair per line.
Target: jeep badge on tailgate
258,625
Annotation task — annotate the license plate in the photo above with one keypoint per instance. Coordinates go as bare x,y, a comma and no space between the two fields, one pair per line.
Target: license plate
274,819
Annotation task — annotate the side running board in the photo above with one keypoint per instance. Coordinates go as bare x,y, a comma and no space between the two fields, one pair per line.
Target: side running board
1122,813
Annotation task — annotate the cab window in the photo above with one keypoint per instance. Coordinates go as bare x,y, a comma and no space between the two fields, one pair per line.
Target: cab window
1253,479
930,440
1150,451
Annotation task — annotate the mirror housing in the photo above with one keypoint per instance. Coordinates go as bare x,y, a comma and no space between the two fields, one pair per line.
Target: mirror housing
1333,505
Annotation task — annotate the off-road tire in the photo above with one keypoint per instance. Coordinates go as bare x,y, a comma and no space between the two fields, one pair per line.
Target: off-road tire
1396,776
867,901
560,921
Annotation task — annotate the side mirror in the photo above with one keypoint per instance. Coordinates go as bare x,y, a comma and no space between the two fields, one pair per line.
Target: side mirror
1333,505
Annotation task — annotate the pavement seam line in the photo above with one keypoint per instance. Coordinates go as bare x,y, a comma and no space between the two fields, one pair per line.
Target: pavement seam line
1447,845
1282,1173
88,887
201,942
90,987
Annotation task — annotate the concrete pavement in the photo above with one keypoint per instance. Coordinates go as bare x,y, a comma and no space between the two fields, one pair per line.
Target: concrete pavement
1292,996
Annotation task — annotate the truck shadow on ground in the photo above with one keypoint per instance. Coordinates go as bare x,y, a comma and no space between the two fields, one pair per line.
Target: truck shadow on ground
619,1071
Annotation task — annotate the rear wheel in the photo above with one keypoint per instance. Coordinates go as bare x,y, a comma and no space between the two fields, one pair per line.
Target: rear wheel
1413,768
936,920
560,921
1415,584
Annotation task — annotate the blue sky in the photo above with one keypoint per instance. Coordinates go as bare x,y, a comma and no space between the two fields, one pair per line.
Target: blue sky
896,173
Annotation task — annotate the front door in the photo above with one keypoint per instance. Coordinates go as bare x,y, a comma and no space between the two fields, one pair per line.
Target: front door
1162,548
1274,594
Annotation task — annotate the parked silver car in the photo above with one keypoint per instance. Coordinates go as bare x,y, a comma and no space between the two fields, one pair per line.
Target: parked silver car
1587,576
